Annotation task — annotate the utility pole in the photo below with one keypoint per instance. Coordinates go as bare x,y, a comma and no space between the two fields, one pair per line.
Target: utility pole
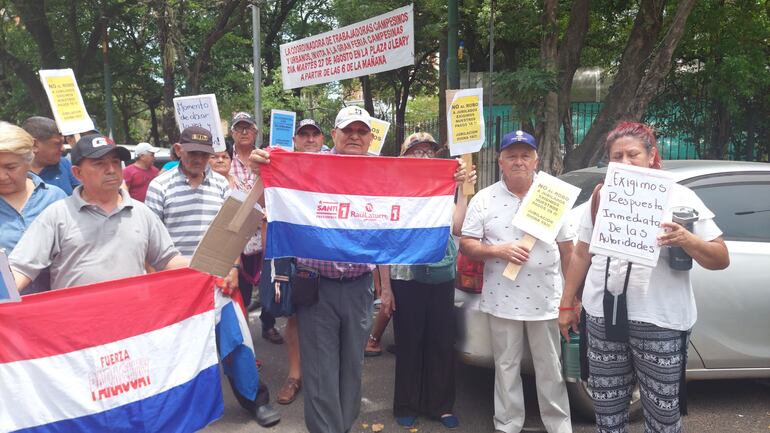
452,65
256,42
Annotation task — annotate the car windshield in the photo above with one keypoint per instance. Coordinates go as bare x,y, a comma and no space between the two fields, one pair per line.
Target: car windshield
586,181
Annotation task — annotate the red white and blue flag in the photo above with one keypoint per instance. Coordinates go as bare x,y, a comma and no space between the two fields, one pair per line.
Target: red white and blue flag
358,209
131,355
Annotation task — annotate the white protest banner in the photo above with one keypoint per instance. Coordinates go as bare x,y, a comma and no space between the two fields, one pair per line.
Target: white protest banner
282,129
67,105
465,121
380,130
542,212
633,203
378,44
200,110
8,291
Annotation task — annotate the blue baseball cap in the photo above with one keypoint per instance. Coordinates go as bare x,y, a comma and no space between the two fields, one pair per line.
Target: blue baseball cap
518,137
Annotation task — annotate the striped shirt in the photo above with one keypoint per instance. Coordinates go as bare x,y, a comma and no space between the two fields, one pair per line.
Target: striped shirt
187,212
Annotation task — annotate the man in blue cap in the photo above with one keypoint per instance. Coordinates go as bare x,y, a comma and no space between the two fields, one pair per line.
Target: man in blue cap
530,304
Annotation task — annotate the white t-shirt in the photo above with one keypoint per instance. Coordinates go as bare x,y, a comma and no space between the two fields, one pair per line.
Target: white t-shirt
660,295
536,292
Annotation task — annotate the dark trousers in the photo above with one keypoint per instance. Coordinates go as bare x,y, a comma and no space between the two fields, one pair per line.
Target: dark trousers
332,338
424,326
247,279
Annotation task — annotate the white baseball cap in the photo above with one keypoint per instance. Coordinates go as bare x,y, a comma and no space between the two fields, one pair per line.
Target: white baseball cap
143,148
351,114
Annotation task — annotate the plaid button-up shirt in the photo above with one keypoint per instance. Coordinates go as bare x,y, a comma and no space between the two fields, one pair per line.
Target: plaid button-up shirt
244,177
336,270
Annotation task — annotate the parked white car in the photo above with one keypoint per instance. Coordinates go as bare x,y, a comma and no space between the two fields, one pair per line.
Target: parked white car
731,338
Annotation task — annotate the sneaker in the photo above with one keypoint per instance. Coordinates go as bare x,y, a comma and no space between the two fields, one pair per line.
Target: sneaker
272,335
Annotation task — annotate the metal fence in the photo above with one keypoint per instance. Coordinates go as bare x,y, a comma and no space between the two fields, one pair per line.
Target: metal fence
504,119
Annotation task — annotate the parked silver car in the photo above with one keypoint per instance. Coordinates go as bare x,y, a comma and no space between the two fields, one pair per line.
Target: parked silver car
731,338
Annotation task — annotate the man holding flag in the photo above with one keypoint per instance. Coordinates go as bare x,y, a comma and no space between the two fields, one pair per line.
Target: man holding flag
334,324
333,332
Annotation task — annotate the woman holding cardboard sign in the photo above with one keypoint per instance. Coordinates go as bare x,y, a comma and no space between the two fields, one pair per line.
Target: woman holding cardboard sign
638,318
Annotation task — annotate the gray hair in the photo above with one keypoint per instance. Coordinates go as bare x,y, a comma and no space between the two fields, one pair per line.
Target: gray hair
15,140
40,128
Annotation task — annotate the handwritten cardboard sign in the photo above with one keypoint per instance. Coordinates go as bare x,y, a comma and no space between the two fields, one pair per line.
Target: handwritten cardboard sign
633,203
545,207
69,111
282,129
367,47
8,291
380,130
465,121
200,110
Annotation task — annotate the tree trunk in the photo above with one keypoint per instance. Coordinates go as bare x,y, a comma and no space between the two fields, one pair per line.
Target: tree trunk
33,15
166,21
638,77
720,131
366,90
570,49
550,146
203,58
154,125
35,92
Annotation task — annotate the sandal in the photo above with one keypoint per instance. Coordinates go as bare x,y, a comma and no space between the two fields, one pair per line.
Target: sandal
289,390
372,347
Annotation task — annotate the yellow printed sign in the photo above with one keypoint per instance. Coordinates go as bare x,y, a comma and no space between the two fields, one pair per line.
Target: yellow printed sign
465,121
67,105
545,207
65,101
380,130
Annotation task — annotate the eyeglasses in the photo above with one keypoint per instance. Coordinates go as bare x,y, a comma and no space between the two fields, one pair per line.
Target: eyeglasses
245,130
422,153
351,131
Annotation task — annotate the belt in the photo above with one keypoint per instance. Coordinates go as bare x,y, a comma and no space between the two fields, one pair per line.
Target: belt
346,279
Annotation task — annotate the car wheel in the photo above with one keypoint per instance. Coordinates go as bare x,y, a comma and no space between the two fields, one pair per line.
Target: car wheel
581,402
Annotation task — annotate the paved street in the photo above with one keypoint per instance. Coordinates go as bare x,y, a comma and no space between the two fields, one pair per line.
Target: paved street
717,406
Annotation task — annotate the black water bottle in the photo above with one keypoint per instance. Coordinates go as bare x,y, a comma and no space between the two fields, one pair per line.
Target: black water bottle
678,258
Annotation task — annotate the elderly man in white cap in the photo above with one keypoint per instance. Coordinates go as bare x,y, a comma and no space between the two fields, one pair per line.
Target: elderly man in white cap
333,331
139,174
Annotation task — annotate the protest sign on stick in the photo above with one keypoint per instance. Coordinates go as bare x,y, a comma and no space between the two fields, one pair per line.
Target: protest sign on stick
633,203
282,129
465,126
67,105
380,130
8,291
542,213
378,44
200,110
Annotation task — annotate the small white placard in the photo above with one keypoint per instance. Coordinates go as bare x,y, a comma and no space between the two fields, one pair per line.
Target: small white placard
200,110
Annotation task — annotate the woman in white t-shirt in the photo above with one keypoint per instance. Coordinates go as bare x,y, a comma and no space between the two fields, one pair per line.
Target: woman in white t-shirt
654,307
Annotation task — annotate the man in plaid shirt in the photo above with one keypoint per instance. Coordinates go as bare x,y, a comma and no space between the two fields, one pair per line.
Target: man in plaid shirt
243,129
333,332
